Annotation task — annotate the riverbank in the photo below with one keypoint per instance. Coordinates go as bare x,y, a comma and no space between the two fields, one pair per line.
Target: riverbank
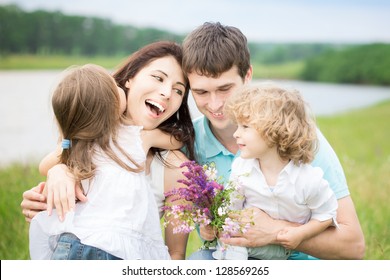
360,138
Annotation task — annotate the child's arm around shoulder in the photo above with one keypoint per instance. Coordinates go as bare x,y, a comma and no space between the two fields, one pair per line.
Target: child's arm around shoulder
159,139
50,160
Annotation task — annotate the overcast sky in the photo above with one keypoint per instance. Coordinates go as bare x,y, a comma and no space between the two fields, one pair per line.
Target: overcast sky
344,21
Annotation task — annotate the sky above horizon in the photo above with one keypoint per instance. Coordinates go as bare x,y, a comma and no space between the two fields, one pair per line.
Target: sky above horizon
333,21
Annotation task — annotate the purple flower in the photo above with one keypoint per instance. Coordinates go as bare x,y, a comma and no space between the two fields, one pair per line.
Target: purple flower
207,201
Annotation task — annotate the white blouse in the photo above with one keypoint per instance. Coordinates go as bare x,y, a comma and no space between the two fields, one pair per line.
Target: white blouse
300,194
120,215
156,180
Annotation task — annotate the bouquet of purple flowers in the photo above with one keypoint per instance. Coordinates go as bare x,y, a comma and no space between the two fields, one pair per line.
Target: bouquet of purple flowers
205,202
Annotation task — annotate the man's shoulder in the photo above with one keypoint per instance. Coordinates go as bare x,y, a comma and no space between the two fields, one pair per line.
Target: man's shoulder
198,122
201,129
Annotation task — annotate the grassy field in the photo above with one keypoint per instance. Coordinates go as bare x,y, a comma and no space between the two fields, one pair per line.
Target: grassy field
288,70
360,138
36,62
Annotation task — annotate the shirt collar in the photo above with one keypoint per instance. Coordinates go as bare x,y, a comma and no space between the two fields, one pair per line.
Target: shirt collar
249,165
215,147
291,171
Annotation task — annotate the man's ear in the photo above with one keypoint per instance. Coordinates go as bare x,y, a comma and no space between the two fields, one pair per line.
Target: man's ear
249,74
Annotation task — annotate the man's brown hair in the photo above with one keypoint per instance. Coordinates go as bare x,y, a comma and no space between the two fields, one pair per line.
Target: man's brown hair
213,48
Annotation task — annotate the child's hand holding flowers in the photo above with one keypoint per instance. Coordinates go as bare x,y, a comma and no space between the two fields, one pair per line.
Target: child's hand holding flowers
208,233
209,204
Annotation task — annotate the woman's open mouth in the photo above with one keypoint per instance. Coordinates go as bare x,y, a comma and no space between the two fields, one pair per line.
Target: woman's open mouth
156,108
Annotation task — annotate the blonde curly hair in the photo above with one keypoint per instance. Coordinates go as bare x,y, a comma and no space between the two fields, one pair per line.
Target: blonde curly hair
280,116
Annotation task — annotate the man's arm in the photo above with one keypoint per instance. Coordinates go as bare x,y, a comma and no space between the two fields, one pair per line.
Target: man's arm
262,232
345,242
291,237
33,202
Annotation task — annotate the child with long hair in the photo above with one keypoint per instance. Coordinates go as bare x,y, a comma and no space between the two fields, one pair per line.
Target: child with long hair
277,141
106,153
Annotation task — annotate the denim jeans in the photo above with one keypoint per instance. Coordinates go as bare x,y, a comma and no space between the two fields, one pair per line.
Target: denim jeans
207,254
202,254
69,247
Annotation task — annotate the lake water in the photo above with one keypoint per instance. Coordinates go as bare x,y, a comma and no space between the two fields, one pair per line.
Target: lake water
28,132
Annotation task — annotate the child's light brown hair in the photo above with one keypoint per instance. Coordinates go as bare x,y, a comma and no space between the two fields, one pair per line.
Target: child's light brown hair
86,107
280,116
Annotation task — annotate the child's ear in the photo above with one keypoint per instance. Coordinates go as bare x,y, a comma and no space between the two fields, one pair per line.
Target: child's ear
127,84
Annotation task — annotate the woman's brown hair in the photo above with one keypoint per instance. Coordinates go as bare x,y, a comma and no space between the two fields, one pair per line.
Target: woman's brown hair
179,125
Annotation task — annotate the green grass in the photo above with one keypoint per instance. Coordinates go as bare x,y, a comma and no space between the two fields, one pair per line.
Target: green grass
360,138
289,71
14,180
36,62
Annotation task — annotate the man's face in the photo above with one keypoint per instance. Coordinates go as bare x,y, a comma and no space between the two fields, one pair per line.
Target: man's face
211,93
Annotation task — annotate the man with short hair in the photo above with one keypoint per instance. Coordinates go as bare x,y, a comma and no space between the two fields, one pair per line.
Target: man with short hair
216,59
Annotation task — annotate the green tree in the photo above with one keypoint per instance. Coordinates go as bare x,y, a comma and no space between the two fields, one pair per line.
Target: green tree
366,64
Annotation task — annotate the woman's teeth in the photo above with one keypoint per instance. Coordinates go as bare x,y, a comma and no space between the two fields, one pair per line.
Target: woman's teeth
158,106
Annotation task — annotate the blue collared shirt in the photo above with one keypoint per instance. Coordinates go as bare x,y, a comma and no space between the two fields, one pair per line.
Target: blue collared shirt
209,150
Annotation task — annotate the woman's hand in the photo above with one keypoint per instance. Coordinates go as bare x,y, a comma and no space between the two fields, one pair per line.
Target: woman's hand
62,190
33,202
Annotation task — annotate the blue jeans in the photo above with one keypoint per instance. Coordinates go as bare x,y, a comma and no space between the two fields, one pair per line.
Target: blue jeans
206,254
202,254
69,247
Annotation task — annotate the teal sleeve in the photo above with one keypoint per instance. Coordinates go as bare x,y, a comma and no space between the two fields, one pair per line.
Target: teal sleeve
328,161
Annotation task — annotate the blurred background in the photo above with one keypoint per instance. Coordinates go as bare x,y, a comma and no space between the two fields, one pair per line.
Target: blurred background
337,53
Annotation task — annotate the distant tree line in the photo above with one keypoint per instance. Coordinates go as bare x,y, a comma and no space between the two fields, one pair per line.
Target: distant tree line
43,32
366,64
267,53
49,33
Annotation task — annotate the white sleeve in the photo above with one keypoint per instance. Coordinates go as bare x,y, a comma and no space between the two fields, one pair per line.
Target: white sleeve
320,197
